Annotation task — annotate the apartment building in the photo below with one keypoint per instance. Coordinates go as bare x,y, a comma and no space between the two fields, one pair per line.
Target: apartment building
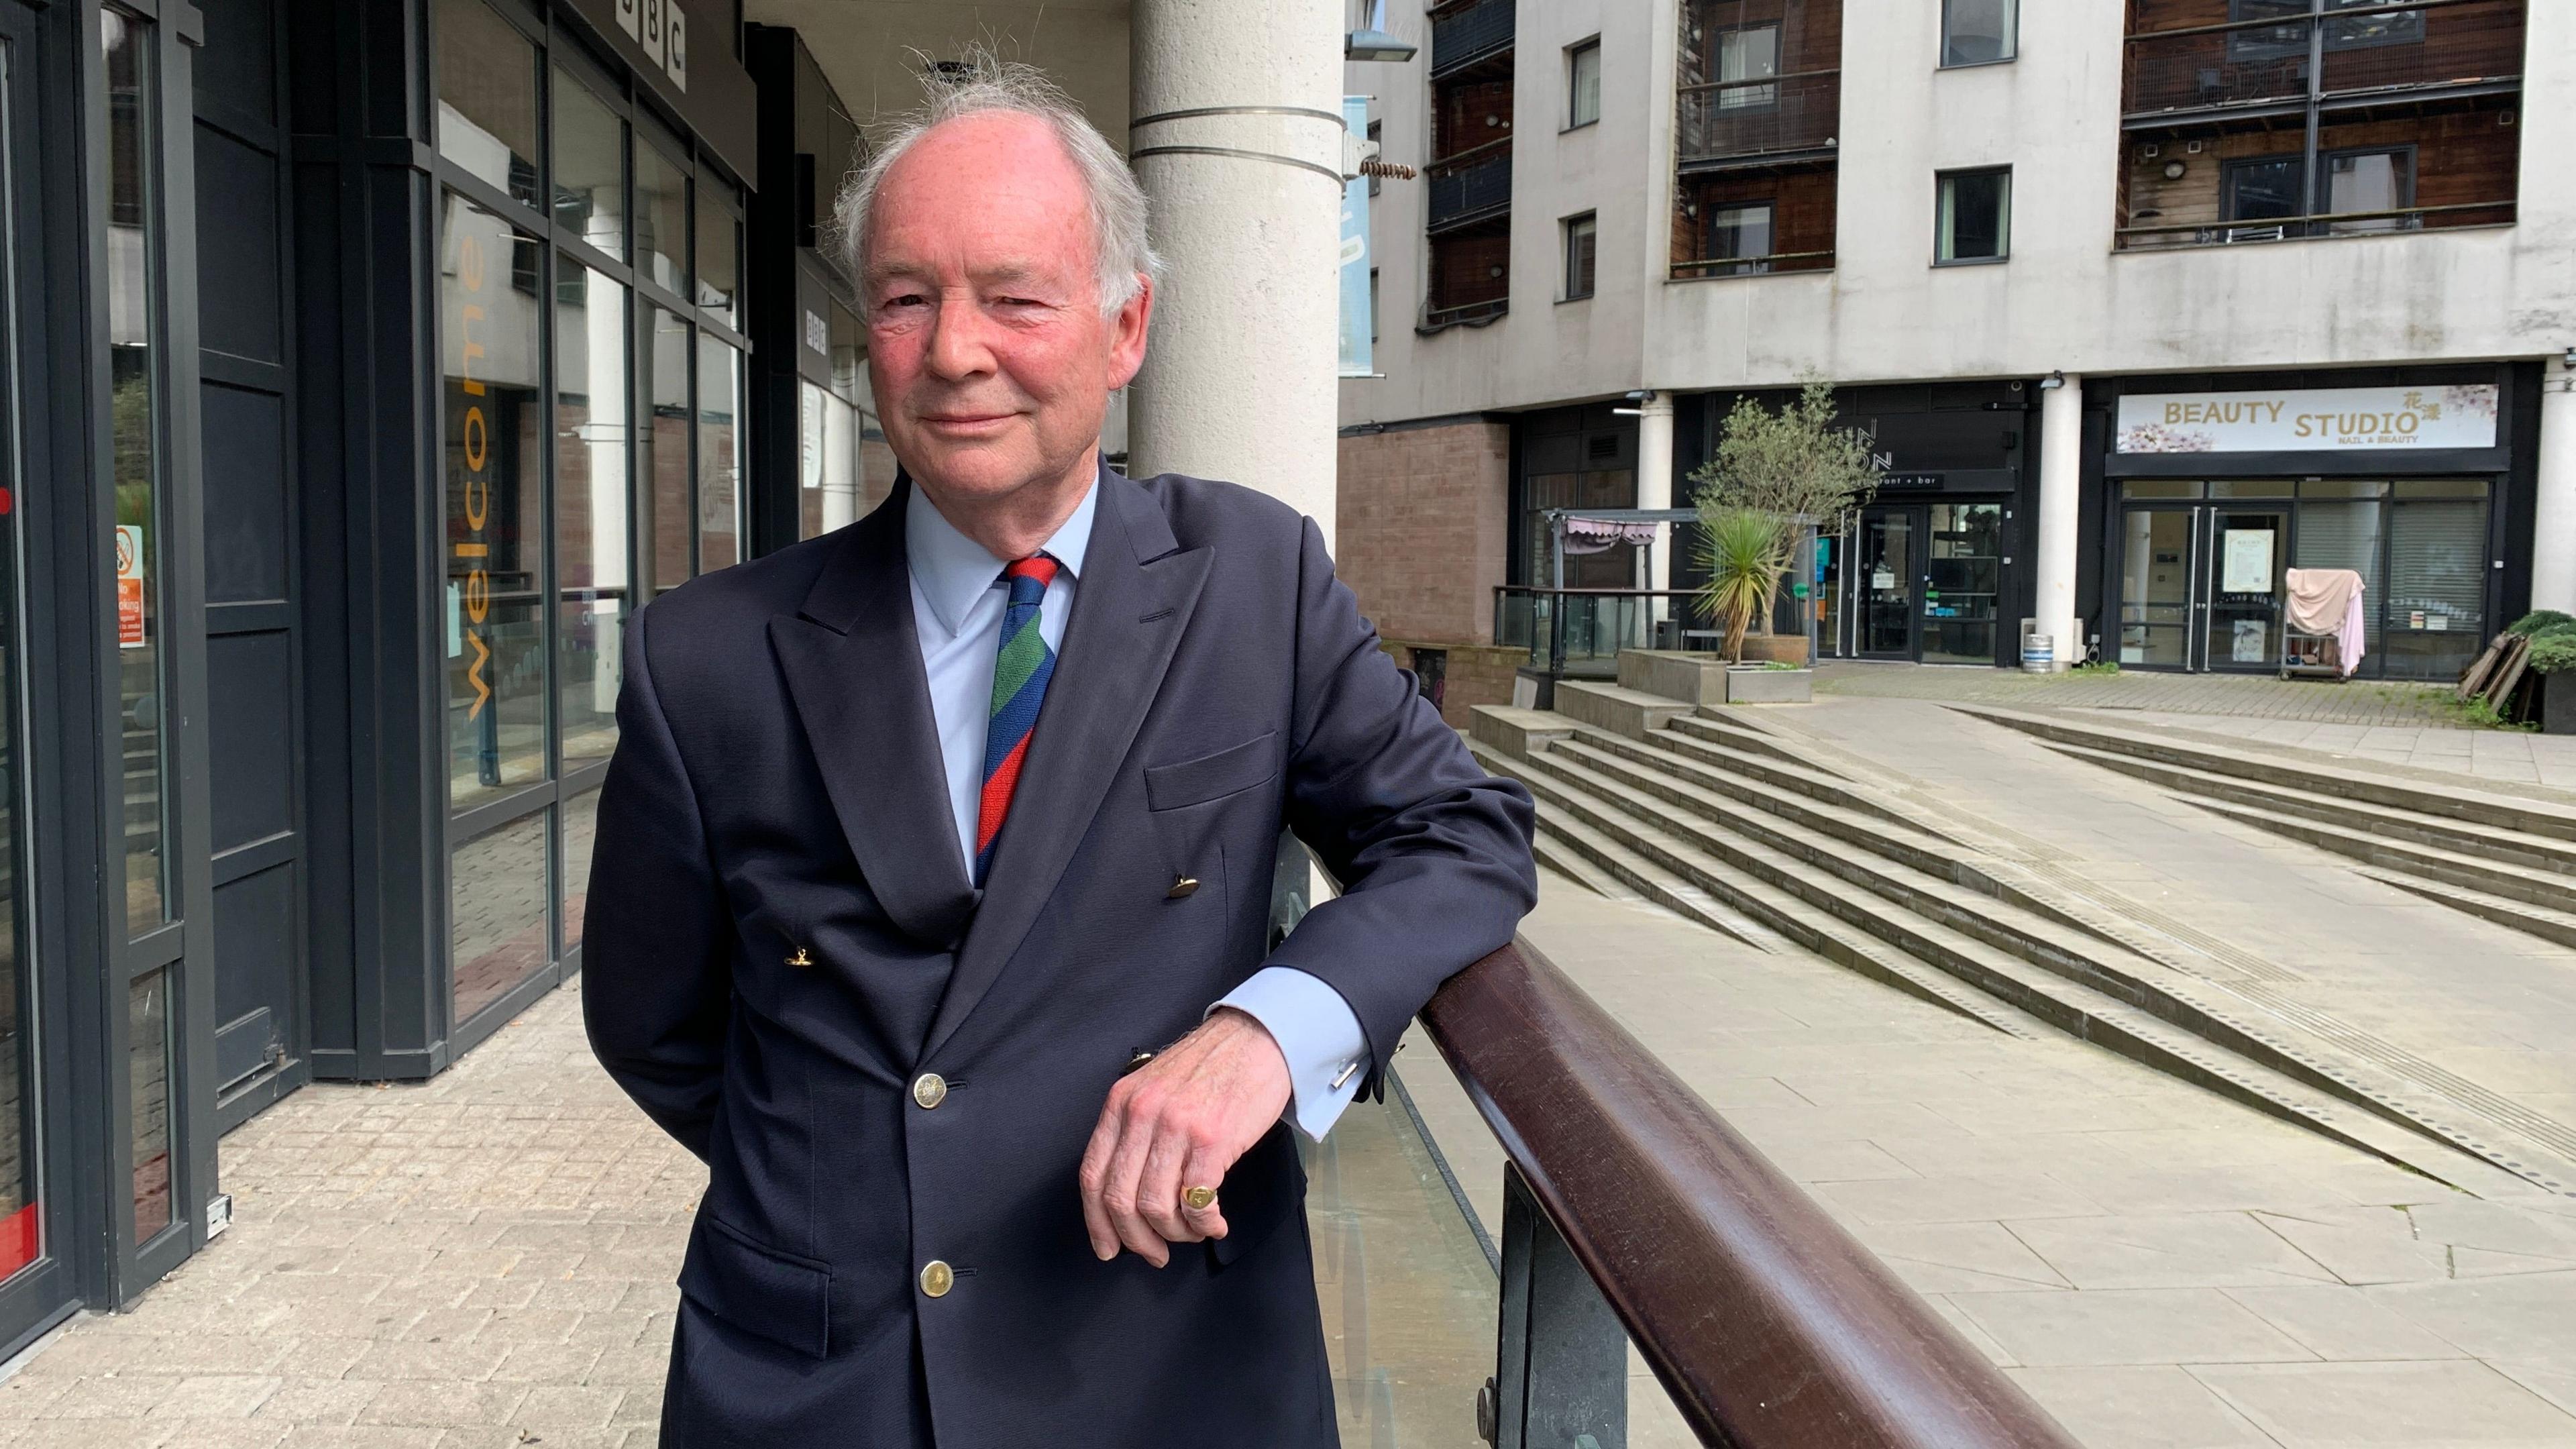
2144,302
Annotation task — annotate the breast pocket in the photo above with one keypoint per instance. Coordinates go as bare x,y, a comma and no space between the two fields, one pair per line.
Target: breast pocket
1212,777
1194,803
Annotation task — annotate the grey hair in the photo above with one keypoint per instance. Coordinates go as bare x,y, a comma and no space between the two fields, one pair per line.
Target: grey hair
983,84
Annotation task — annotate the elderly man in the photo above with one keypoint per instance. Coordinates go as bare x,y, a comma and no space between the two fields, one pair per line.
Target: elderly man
933,880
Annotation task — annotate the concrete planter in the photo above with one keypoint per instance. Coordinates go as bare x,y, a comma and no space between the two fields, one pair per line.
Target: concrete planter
1770,686
1775,648
1692,678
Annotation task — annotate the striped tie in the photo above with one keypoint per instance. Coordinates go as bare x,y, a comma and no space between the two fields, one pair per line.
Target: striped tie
1020,674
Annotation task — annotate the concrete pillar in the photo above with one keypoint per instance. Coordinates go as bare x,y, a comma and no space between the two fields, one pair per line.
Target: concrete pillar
1238,140
1655,484
2553,522
2061,489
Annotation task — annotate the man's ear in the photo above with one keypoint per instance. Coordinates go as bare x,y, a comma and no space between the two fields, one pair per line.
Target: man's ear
1127,334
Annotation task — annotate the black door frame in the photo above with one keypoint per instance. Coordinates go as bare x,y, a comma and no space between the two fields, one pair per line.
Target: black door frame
2205,583
1917,520
55,538
182,947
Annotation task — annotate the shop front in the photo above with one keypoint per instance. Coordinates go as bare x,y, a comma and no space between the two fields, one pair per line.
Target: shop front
2214,488
1927,572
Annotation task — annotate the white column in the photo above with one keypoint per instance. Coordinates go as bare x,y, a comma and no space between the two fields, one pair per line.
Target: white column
2061,489
2553,522
1655,486
1239,375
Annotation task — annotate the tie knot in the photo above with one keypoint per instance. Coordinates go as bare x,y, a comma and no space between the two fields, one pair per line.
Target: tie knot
1038,567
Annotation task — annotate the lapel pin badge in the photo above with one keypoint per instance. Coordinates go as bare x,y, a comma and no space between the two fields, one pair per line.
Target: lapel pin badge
800,958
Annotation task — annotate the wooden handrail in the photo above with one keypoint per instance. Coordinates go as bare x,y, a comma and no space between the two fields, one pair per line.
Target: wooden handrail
1769,1325
2327,217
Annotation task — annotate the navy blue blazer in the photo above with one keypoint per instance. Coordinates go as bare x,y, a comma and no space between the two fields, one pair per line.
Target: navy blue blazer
781,938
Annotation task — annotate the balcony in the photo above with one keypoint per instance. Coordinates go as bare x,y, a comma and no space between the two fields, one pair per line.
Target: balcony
1772,119
1464,35
2351,58
1474,185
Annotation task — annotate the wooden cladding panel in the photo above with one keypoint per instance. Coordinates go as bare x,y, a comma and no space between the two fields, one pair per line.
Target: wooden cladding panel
1464,268
1811,33
1468,114
2462,158
1802,209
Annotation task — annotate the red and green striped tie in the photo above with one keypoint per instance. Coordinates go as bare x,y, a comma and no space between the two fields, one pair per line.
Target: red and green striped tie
1020,674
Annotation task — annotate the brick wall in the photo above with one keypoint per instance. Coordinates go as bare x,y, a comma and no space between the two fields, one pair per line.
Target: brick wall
1422,526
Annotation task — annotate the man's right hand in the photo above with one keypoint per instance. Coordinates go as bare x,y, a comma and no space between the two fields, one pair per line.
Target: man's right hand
1178,1122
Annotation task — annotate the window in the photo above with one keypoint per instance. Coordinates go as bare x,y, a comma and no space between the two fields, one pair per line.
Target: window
1741,237
1750,54
1979,32
2368,181
1372,306
2289,40
2259,189
1579,249
590,167
1976,216
487,97
1583,84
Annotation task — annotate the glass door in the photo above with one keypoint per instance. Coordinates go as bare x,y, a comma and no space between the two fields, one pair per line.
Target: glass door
1887,569
2157,552
2243,583
1962,581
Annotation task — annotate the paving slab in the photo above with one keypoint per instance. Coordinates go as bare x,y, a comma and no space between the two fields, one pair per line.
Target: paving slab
2415,1405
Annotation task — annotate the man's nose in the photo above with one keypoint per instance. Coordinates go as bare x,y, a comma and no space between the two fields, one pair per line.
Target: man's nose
958,346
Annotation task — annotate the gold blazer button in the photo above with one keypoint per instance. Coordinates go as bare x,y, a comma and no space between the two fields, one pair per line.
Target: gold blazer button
929,1089
1186,885
937,1278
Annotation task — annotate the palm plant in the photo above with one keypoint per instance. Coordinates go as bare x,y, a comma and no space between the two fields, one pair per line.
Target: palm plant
1744,550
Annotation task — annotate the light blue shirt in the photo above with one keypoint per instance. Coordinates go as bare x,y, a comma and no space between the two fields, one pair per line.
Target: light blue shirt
957,603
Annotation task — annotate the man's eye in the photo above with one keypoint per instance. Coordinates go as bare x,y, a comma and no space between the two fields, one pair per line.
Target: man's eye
908,299
1019,301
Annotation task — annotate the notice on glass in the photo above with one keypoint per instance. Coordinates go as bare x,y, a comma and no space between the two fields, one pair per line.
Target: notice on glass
2246,568
2249,640
129,586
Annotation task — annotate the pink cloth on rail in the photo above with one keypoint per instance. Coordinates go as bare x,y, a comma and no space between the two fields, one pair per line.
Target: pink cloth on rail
2328,601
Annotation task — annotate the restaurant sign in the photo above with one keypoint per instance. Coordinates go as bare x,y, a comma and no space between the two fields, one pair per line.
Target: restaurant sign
2321,420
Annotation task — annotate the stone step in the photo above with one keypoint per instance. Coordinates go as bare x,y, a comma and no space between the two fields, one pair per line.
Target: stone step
1719,728
2545,922
1670,757
2426,862
1928,917
2462,802
1549,851
1779,912
1852,929
1693,739
2493,842
1630,712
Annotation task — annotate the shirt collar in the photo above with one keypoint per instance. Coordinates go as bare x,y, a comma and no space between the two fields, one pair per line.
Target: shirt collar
954,571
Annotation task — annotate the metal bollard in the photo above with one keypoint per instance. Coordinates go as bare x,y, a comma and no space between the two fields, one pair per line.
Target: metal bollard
1561,1369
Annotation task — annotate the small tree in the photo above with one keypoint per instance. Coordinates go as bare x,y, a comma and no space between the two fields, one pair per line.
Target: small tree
1744,551
1792,465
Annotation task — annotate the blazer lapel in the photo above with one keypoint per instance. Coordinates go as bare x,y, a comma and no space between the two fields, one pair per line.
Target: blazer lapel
853,664
1130,607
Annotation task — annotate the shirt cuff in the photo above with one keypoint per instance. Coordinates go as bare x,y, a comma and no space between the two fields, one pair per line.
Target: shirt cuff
1317,1032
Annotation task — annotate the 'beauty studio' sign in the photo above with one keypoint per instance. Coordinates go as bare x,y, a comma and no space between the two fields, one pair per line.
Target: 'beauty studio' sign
2313,421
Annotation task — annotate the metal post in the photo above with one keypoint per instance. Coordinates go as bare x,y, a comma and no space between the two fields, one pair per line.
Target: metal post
2316,90
1561,1370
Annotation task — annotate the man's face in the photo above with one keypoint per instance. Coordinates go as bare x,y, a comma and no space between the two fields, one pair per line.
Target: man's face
991,361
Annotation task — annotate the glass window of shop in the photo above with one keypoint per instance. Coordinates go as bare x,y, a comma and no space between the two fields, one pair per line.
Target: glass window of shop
2419,544
590,458
843,466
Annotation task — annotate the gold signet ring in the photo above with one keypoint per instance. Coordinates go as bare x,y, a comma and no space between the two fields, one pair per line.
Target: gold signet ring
1198,1199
